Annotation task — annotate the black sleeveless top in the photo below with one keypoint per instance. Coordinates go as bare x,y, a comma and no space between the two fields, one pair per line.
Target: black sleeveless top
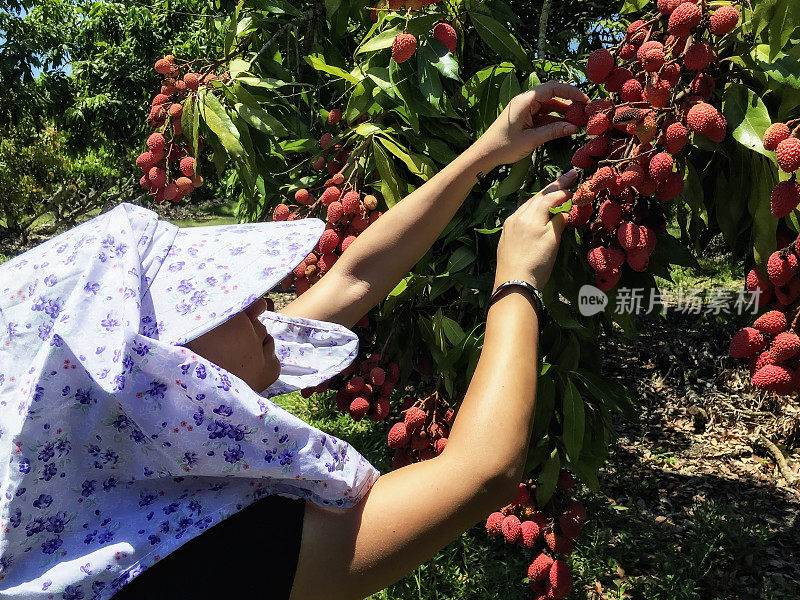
252,552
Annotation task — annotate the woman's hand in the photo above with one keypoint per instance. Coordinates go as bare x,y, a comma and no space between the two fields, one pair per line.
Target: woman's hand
524,125
531,235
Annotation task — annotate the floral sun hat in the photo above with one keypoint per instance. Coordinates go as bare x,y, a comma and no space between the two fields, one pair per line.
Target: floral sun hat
117,444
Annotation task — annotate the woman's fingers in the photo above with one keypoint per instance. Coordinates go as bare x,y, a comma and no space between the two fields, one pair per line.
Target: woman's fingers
564,181
555,89
539,135
555,105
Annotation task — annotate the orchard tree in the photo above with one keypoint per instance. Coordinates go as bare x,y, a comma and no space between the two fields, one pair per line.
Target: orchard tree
340,110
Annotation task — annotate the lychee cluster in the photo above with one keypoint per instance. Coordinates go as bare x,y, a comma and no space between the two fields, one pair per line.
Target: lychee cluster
405,44
423,432
169,164
346,211
771,345
660,92
551,531
363,389
784,140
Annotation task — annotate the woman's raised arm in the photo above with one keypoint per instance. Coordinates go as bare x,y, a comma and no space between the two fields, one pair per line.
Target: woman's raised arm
385,252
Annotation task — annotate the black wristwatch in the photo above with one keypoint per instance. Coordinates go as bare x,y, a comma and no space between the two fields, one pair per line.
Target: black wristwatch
538,303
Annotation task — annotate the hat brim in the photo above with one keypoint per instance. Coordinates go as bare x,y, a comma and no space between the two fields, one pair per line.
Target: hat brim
208,274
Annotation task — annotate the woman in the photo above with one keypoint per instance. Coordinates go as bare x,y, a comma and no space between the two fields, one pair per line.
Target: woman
380,527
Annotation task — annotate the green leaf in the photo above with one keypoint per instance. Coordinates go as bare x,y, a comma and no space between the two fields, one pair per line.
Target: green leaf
261,120
747,115
633,6
187,120
548,477
764,224
238,66
429,82
419,165
317,61
441,59
784,21
574,419
390,189
499,39
460,259
452,331
729,208
219,122
609,393
782,68
545,404
380,41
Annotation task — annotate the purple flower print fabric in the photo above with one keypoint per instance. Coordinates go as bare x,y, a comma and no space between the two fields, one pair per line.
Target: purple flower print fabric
118,444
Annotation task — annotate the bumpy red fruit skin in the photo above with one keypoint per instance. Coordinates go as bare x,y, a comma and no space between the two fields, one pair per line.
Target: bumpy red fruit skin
163,66
579,215
576,114
784,346
676,137
445,33
631,91
377,376
560,580
775,134
303,196
331,194
670,187
158,178
633,175
187,166
697,57
582,159
598,124
414,419
529,533
328,242
703,85
788,154
723,20
155,143
627,52
335,212
318,164
661,166
539,569
192,80
599,65
755,281
610,214
280,213
784,198
772,322
351,202
398,436
334,116
617,77
746,342
358,408
512,529
781,269
326,261
774,378
403,47
684,18
494,524
702,116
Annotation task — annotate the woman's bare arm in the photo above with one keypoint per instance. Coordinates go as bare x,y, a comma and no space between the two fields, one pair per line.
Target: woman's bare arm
385,252
411,513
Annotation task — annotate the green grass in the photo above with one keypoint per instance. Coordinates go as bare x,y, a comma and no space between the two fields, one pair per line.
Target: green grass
711,554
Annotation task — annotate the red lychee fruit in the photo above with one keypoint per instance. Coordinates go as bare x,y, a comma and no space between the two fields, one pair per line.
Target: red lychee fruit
582,159
187,166
351,202
784,198
334,116
607,279
631,91
784,346
617,77
559,544
697,57
772,322
494,524
633,175
775,378
445,33
512,529
303,196
702,116
576,114
781,268
775,134
192,81
529,533
599,65
676,137
670,187
684,18
579,215
358,408
539,569
155,143
723,20
523,495
569,525
598,124
398,436
414,419
403,47
560,580
788,154
746,342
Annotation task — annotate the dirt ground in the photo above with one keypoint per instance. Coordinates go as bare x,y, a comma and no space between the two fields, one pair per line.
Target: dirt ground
698,438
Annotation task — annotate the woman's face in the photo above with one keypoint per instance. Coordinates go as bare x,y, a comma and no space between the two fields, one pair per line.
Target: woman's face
242,346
